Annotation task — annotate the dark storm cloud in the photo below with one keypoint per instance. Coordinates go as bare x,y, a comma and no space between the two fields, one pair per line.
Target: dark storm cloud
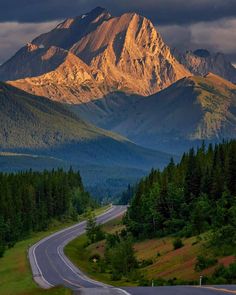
185,24
14,35
216,36
159,11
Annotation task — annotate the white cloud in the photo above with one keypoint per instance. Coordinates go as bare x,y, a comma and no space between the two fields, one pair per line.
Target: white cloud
14,35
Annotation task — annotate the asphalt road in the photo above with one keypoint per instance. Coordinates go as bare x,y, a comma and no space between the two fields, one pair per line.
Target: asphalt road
50,267
178,290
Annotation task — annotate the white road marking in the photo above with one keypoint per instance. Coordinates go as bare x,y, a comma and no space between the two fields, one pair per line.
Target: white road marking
60,252
41,274
123,291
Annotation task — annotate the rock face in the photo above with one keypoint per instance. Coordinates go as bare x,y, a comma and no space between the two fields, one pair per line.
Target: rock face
123,53
201,62
131,55
66,34
189,111
72,82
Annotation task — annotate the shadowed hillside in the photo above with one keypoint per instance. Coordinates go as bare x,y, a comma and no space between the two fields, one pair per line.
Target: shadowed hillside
189,111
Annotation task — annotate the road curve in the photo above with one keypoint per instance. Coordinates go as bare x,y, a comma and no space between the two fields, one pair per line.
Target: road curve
50,266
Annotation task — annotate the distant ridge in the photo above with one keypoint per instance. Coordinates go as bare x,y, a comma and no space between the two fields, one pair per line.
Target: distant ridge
175,119
201,61
35,125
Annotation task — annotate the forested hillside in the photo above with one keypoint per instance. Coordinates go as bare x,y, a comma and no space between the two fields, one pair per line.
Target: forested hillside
31,200
194,196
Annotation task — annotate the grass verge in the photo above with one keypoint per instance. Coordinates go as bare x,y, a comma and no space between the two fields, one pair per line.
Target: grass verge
15,273
80,255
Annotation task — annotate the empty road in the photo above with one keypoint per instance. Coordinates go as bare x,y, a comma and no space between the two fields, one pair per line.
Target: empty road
50,267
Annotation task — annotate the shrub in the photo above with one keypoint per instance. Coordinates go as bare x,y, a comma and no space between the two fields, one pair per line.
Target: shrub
116,276
225,274
145,263
2,250
94,257
204,262
94,231
177,244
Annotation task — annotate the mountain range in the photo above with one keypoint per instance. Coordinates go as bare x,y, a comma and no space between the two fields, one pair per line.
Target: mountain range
200,62
183,115
36,126
106,94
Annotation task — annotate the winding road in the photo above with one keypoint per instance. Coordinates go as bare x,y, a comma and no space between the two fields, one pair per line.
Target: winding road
50,266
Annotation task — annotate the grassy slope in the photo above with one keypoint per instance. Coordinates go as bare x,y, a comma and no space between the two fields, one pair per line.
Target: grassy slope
170,264
80,255
30,121
15,272
173,263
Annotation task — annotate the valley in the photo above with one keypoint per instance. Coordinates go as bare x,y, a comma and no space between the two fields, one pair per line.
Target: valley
44,134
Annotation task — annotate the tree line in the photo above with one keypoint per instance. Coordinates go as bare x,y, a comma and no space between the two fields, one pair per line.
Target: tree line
29,201
194,196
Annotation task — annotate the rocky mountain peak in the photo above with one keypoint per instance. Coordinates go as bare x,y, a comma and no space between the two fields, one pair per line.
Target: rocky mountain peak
94,16
124,53
131,54
97,11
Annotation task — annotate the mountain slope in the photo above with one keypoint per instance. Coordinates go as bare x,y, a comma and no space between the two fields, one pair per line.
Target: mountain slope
200,62
70,31
123,53
189,111
32,60
46,52
37,125
71,82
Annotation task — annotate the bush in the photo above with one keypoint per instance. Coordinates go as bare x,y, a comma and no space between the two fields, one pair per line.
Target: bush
121,259
225,274
116,276
2,250
145,263
223,241
204,262
94,257
177,244
94,231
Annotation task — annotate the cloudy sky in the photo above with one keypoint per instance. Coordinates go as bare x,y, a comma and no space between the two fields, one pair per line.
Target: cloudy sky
187,24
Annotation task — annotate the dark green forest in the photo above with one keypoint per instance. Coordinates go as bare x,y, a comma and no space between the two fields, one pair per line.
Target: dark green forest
194,196
29,201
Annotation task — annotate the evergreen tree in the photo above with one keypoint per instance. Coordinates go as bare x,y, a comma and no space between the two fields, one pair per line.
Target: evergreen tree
190,197
30,200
